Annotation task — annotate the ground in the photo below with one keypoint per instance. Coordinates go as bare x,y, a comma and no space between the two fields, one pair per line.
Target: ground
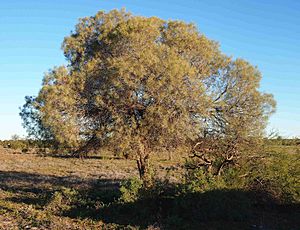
35,187
28,180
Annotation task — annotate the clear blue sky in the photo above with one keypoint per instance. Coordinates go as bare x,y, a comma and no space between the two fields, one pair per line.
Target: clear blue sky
265,32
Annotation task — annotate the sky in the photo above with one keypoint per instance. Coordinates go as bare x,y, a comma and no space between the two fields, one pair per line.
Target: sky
264,32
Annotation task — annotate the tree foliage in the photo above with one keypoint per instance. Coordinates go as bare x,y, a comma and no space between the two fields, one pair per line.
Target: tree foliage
32,120
143,84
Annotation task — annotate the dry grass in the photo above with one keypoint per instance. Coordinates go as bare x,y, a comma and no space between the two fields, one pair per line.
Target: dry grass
29,184
94,168
27,181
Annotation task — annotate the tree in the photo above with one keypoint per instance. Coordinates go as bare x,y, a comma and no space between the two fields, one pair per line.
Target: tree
15,137
143,84
237,120
37,132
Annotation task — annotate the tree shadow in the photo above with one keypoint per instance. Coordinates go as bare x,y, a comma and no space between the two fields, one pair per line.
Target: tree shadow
99,200
36,189
216,209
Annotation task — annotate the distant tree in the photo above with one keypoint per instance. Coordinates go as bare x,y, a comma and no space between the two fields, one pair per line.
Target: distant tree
15,137
143,84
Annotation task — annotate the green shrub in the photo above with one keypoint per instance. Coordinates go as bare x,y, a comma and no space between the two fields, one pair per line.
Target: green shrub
197,180
130,190
279,176
62,201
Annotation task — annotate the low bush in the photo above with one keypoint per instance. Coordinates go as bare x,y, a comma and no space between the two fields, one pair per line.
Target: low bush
62,201
279,177
199,181
130,190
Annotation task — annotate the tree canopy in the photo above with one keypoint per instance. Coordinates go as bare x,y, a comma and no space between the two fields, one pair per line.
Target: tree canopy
143,84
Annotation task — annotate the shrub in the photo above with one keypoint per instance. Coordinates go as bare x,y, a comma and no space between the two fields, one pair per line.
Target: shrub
130,190
62,201
279,176
197,180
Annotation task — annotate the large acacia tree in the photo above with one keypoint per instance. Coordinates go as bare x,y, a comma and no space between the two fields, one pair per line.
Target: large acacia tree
143,84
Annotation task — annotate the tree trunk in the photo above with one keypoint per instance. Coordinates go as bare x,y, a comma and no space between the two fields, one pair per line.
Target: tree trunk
143,164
